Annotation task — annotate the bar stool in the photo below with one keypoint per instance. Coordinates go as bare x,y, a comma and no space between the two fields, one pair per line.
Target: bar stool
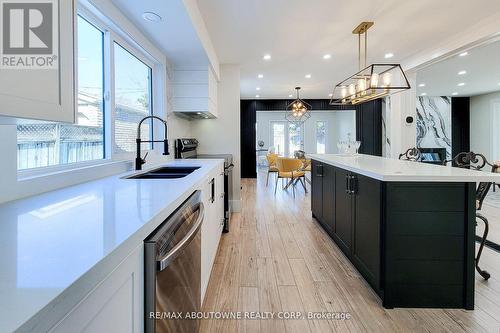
471,160
412,154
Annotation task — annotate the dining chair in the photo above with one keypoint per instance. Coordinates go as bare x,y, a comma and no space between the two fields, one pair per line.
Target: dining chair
290,168
271,165
306,162
475,161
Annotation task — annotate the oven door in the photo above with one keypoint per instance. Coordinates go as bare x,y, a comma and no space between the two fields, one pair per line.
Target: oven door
173,271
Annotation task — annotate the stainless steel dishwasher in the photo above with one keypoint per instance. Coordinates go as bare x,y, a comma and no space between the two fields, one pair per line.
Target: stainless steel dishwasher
172,260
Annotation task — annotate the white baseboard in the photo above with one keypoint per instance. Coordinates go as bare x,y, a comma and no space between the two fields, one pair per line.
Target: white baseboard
235,206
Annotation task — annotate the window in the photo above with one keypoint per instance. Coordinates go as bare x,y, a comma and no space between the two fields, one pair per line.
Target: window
132,99
104,127
42,144
321,137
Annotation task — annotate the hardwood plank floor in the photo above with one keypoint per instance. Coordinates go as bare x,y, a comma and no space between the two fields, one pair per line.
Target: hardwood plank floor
277,258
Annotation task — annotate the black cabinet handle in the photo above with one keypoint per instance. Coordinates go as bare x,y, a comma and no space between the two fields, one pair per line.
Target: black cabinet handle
212,190
354,184
348,184
318,168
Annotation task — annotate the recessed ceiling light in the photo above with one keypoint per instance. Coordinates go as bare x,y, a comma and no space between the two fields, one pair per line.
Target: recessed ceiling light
257,96
463,54
461,84
151,17
258,88
454,93
290,95
308,76
421,85
198,112
266,57
260,76
330,95
389,55
327,56
423,94
462,73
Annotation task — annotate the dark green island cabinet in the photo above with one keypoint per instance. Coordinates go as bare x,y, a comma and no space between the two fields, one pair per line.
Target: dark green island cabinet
412,241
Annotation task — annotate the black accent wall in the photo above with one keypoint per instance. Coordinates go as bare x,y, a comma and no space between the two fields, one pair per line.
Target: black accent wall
248,119
460,125
368,126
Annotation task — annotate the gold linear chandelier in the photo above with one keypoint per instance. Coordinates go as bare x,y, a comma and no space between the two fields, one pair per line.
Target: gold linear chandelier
370,82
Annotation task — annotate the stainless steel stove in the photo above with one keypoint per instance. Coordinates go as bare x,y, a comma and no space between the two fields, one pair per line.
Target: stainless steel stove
188,148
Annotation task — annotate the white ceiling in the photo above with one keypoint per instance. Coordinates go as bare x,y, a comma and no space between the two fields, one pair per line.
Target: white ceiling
297,33
482,65
174,34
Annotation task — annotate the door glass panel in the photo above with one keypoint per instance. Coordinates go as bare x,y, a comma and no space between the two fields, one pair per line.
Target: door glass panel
320,137
295,138
278,136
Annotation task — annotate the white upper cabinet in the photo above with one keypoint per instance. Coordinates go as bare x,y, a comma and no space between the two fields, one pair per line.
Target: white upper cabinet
37,67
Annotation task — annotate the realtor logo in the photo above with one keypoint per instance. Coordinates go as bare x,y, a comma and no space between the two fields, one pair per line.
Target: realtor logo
29,34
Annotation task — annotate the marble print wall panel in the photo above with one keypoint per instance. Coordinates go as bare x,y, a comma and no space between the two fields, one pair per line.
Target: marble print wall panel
386,127
434,123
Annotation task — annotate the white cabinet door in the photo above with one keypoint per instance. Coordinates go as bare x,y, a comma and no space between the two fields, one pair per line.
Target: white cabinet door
220,198
207,235
212,226
29,86
115,305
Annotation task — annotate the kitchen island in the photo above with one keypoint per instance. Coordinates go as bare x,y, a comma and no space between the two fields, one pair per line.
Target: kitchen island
409,228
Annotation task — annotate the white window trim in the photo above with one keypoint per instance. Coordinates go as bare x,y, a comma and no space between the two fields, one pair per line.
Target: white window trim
111,34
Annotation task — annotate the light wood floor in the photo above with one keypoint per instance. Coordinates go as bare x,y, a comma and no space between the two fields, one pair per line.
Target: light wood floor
277,258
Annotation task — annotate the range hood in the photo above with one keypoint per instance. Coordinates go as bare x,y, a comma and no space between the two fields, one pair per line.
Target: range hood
195,94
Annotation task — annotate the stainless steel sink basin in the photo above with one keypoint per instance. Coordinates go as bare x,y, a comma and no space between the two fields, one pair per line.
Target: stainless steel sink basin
165,173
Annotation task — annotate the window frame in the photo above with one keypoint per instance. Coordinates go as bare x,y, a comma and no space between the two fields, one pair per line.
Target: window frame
111,34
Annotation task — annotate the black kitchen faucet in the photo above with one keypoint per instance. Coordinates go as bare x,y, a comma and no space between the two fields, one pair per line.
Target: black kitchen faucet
139,161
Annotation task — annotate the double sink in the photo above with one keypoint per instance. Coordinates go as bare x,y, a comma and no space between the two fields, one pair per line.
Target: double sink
165,173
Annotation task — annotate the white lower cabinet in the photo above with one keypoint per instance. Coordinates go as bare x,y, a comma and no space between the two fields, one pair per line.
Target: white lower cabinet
115,305
212,225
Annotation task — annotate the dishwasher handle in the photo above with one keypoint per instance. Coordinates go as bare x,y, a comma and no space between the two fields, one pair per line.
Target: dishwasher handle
179,247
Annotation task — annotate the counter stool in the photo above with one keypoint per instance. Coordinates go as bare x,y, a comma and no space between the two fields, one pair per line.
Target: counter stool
412,154
471,160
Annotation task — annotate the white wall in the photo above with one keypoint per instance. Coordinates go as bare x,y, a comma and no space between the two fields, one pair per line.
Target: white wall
339,123
485,125
222,135
402,135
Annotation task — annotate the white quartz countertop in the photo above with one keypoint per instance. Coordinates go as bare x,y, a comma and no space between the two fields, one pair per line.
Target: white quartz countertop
393,170
55,247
